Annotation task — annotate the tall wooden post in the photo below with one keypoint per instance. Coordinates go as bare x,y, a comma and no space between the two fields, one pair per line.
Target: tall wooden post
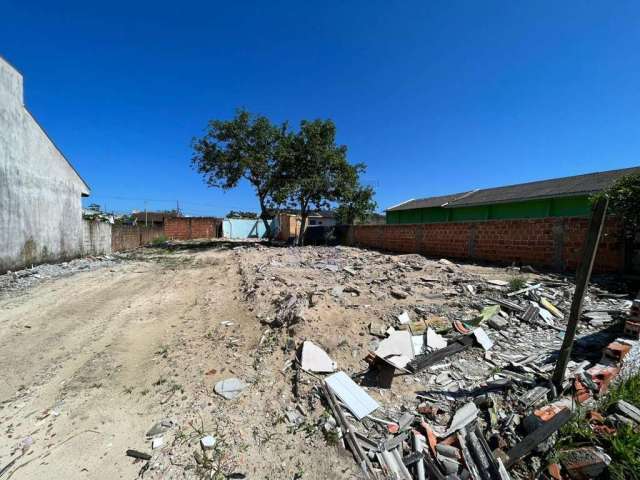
596,222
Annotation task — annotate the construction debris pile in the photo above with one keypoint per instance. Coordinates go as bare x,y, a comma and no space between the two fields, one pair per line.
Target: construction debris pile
440,370
12,282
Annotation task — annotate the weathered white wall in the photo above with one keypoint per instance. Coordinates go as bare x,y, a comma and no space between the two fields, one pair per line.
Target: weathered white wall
40,193
96,237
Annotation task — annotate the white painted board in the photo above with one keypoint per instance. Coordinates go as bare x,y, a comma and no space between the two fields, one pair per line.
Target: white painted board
352,395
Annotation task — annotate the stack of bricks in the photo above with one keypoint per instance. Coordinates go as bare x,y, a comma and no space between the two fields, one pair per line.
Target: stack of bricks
632,326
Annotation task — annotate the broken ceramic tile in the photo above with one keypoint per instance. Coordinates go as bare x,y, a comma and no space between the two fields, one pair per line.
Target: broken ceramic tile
315,359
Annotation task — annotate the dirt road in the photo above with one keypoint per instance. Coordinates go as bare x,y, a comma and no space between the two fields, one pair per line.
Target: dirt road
90,362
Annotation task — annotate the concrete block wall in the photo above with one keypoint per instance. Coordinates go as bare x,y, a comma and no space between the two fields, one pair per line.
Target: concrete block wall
244,228
96,237
554,243
188,228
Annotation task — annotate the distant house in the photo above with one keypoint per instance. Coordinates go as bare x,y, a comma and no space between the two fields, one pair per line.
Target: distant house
153,219
325,218
40,191
288,222
559,197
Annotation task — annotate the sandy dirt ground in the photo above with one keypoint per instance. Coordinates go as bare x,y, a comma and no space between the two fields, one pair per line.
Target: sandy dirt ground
92,361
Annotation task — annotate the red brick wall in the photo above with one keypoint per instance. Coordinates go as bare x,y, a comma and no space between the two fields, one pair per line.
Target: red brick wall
128,237
547,242
610,250
187,228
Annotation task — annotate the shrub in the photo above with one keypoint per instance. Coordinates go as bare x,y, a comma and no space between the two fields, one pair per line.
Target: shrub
517,283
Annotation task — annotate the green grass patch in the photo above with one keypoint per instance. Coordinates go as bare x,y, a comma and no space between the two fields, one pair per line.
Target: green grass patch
627,390
624,448
576,432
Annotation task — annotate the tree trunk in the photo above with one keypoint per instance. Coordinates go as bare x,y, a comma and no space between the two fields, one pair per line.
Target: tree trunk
264,215
303,222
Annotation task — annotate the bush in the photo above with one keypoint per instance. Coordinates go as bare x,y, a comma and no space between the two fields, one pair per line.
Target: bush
517,283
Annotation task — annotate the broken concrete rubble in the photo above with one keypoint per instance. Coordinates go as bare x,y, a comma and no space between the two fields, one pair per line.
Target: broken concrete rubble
585,463
492,350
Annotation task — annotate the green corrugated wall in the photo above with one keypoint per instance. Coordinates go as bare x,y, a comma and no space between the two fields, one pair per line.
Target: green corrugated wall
552,207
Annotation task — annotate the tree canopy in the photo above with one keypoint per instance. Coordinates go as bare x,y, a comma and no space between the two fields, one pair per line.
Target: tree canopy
315,170
303,169
245,147
356,206
241,214
624,200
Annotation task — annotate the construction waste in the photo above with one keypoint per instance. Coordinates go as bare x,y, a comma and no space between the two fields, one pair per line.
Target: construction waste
479,353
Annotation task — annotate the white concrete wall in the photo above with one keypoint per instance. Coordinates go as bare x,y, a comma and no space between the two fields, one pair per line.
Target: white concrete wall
96,237
40,192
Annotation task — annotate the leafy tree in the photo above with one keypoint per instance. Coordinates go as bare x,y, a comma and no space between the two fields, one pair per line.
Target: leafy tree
357,206
94,207
245,147
624,201
240,214
315,171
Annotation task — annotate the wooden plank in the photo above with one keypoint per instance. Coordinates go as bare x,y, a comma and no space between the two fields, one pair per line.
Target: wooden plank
596,222
536,437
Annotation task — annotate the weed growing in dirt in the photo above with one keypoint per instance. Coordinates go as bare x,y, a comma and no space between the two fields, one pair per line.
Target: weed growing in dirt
159,382
176,387
145,392
219,463
163,351
128,390
517,283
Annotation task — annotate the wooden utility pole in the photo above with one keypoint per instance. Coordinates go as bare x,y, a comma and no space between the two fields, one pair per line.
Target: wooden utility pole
598,214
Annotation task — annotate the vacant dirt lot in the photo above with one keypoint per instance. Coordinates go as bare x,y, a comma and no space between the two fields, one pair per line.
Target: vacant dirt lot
92,361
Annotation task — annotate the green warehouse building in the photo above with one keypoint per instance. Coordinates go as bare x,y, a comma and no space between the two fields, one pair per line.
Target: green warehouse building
559,197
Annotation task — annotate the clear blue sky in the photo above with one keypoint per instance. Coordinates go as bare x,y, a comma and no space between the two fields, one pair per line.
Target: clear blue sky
436,97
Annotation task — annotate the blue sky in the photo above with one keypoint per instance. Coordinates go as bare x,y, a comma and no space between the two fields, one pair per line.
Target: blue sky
436,97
